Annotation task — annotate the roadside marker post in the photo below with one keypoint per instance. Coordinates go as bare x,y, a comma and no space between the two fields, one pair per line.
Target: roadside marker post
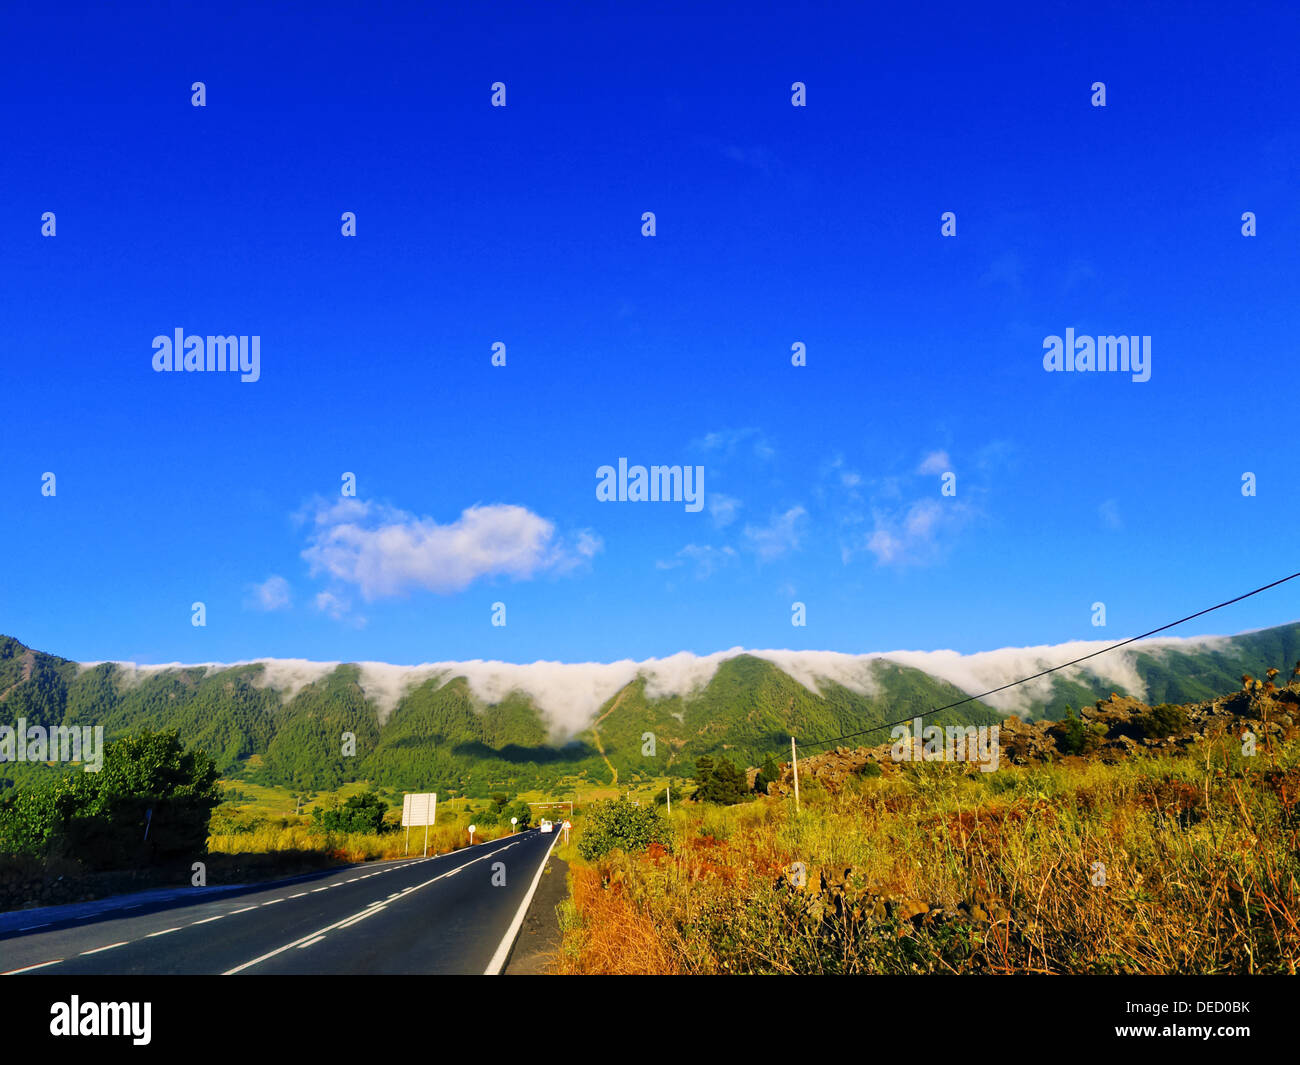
471,834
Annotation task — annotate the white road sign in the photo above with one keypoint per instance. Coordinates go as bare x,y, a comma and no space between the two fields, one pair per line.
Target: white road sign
421,809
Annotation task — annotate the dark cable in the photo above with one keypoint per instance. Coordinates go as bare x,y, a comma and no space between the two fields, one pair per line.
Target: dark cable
1063,665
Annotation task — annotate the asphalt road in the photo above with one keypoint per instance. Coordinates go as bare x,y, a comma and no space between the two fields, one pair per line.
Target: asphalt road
440,914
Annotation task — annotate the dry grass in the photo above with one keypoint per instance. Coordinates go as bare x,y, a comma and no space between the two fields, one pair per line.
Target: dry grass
298,834
1200,855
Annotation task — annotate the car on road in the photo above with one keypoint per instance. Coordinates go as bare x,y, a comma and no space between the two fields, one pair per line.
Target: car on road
546,826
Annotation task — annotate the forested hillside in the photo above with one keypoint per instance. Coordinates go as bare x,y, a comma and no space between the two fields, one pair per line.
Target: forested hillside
440,735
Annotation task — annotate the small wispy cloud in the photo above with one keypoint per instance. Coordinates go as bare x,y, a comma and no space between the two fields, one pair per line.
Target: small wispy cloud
723,509
900,521
780,536
338,607
728,442
935,462
272,594
1110,515
917,533
707,559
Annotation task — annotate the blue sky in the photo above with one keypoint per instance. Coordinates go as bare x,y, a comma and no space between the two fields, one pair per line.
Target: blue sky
775,225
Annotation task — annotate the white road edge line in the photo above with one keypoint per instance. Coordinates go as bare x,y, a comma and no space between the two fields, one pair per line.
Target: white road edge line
109,947
498,961
163,932
29,968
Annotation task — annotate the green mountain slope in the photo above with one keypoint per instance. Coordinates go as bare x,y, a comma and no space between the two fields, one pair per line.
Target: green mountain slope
440,736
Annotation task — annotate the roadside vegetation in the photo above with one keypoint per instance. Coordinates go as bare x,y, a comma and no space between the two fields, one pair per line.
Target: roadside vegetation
156,808
1178,862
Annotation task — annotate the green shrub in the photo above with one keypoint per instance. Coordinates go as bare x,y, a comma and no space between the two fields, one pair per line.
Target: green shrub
616,824
361,813
1163,720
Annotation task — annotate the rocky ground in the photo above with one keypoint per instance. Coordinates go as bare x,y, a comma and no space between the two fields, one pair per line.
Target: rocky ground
1109,730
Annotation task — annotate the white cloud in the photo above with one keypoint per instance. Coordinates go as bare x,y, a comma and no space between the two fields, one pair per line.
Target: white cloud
339,607
384,551
779,536
728,441
272,594
331,604
915,533
706,558
1109,514
723,508
935,462
571,693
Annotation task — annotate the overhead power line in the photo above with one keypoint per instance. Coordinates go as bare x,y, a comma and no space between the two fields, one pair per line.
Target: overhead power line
1053,669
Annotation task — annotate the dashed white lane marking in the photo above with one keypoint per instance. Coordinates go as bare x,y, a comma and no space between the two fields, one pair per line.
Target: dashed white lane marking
29,968
370,912
373,908
109,947
347,921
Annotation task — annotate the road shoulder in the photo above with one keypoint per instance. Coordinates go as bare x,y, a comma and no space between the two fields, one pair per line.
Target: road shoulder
539,937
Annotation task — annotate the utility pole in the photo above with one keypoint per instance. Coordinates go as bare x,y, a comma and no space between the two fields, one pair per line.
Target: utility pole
668,790
794,765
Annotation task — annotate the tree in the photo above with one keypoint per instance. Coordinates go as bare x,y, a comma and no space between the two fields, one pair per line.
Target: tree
1070,733
724,783
521,810
767,775
151,801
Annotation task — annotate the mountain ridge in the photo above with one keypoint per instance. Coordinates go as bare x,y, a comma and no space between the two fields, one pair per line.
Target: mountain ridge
477,723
